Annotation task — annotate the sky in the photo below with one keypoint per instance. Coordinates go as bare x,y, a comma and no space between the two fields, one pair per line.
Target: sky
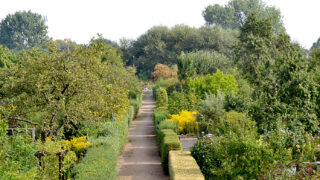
80,20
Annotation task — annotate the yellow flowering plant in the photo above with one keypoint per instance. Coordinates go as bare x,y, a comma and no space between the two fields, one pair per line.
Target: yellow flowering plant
186,121
78,145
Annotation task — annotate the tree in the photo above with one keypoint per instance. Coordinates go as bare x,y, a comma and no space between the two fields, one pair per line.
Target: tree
163,72
163,45
234,14
57,91
316,44
253,52
23,30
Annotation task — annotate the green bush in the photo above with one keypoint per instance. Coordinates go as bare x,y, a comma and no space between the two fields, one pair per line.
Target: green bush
159,115
168,125
231,157
182,166
219,81
162,99
179,101
17,160
211,111
136,103
168,140
163,83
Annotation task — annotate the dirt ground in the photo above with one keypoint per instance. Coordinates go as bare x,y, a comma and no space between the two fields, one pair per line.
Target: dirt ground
140,159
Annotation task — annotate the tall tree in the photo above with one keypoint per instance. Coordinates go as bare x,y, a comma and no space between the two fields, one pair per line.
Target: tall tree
23,30
234,14
316,44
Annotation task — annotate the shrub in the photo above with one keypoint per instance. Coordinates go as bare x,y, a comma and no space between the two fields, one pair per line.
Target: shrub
182,166
136,103
78,145
159,116
168,141
179,101
162,99
50,161
219,81
211,111
163,83
230,157
186,122
168,125
17,160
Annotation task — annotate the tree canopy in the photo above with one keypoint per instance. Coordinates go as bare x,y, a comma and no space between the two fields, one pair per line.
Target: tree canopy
23,30
234,14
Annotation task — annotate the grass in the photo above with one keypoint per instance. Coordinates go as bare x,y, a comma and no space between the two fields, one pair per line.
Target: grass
108,141
182,166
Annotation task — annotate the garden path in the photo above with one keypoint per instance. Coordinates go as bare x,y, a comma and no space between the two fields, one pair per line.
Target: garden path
140,159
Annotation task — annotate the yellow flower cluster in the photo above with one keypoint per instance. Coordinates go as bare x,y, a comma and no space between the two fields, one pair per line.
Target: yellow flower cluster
78,144
186,121
13,107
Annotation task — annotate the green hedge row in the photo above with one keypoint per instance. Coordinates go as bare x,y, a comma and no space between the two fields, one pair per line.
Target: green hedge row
108,140
182,166
168,140
159,116
136,103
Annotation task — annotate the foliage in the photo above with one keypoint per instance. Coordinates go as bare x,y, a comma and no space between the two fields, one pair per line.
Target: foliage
219,81
161,44
58,90
186,122
183,166
186,67
168,141
165,84
230,157
17,160
107,142
78,145
50,161
234,14
211,111
23,30
179,101
168,125
162,99
7,57
201,62
236,103
316,44
162,71
159,116
255,48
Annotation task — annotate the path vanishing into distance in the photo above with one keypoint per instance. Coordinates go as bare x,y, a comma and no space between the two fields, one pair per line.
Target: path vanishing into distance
140,159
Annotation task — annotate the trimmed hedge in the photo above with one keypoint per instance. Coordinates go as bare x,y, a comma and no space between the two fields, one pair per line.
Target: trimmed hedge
159,115
108,141
182,166
168,140
136,103
162,99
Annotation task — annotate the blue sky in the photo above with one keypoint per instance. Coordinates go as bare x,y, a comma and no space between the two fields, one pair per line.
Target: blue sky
80,20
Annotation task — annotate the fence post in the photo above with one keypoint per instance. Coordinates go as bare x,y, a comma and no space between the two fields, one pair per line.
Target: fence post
39,155
61,154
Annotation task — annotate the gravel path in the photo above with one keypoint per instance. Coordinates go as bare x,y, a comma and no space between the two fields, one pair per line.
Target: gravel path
140,159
